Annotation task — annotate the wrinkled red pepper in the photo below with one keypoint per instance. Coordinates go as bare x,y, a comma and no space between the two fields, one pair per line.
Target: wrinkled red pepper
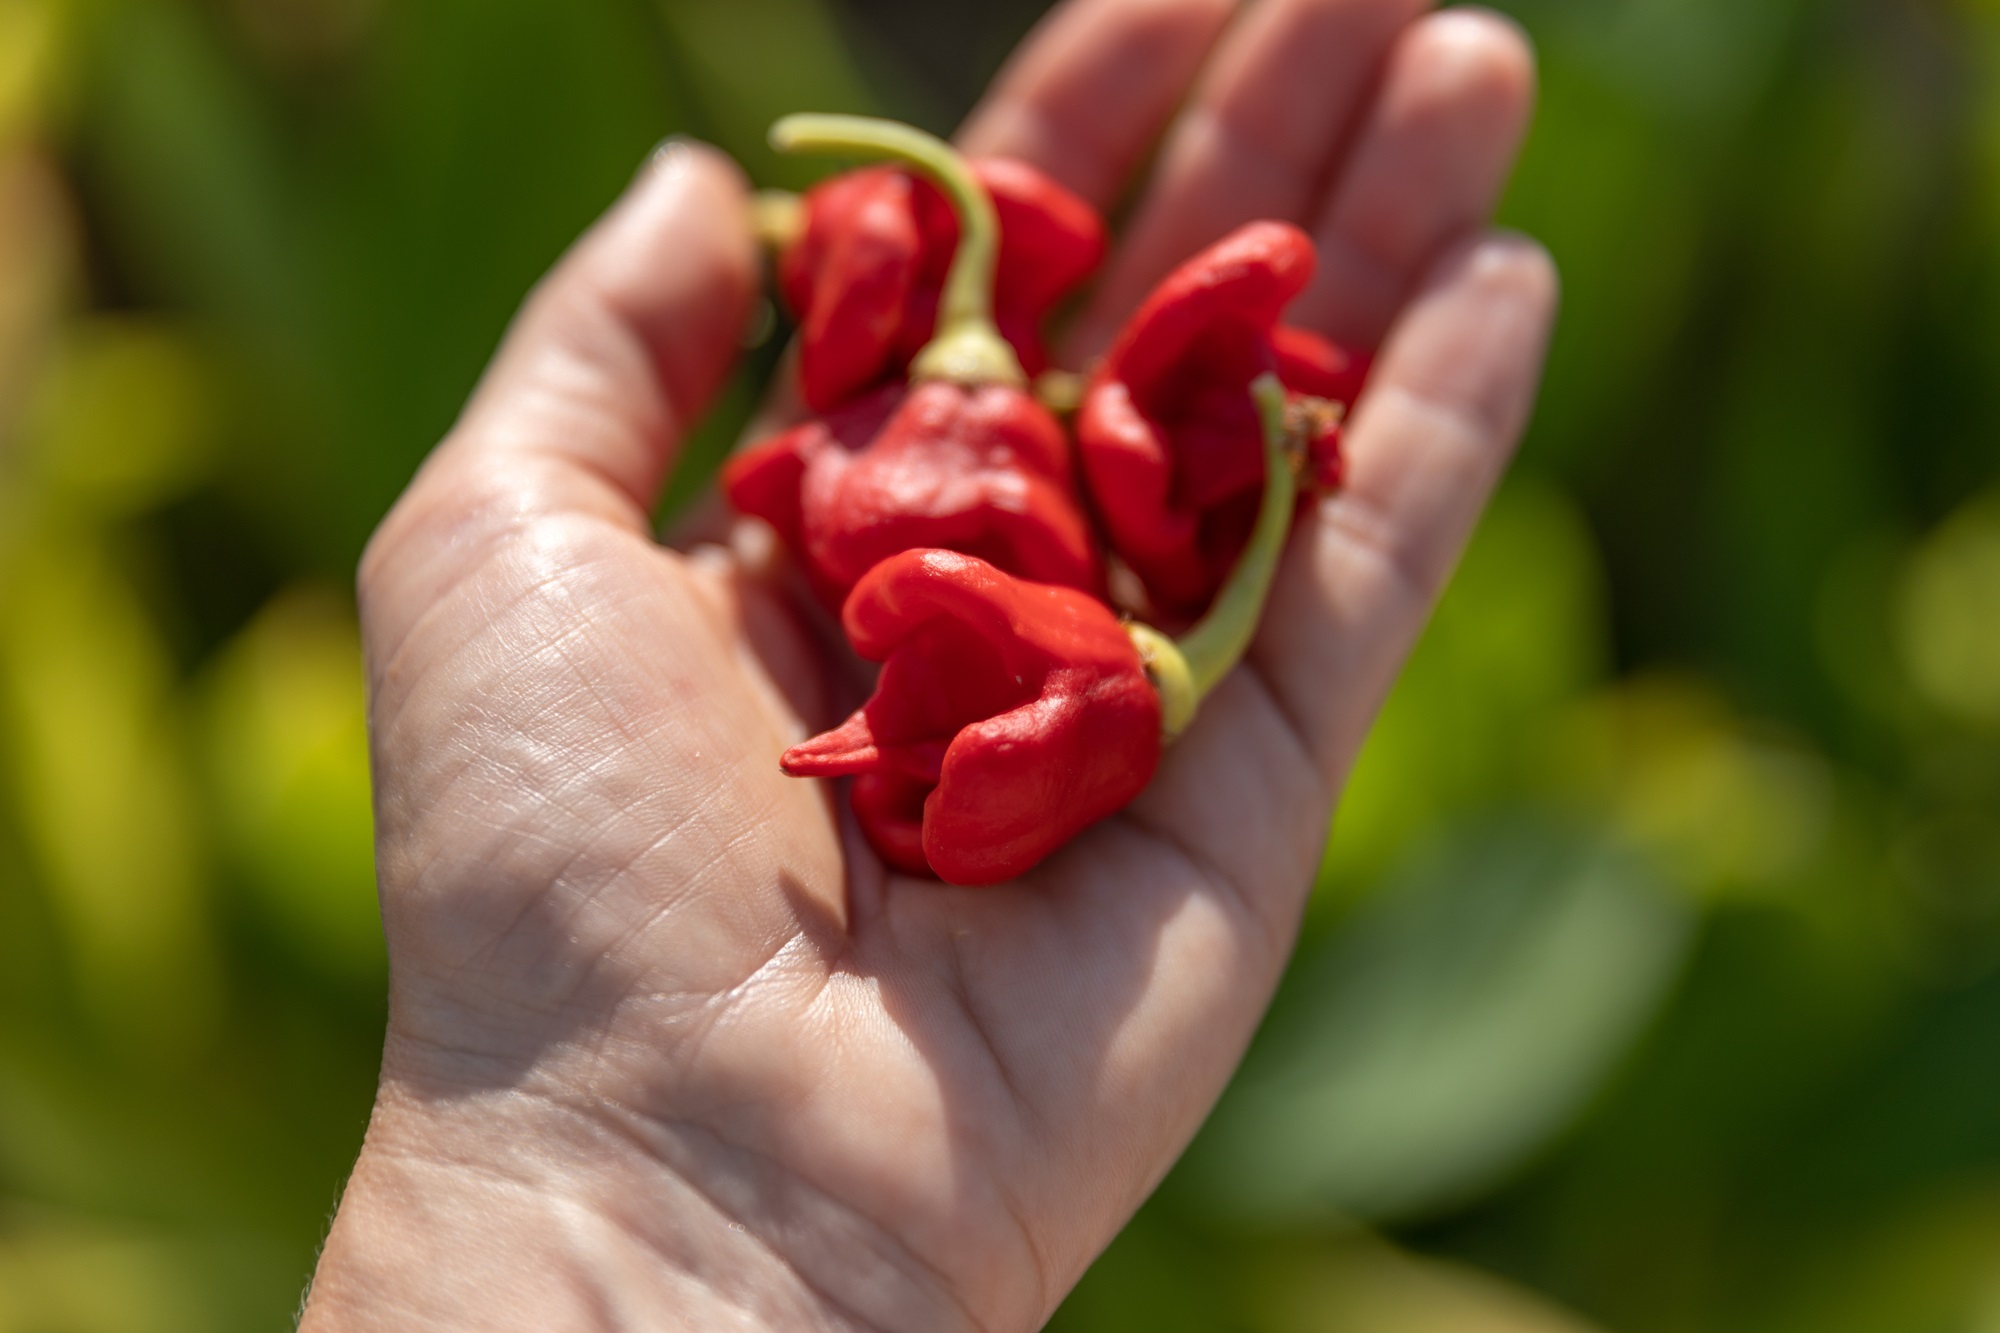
1170,444
863,277
1008,717
982,469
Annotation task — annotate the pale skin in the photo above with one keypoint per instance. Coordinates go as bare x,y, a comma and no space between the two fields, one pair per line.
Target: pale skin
666,1047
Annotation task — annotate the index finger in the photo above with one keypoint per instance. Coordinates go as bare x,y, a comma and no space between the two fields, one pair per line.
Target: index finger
582,410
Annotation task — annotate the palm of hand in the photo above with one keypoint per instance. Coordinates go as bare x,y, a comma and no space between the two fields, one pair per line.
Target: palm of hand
612,920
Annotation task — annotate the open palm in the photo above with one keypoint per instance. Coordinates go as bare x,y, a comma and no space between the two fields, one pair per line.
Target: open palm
666,1044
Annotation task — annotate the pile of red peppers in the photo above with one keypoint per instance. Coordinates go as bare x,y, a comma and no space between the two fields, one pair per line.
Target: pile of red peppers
967,531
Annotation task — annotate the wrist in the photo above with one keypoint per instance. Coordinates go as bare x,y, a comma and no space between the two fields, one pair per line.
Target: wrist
475,1213
500,1208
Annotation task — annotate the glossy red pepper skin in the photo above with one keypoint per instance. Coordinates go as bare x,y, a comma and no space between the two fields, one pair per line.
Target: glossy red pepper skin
1008,717
984,470
863,277
1170,444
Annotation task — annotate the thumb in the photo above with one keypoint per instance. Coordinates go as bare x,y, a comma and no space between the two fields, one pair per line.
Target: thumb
621,346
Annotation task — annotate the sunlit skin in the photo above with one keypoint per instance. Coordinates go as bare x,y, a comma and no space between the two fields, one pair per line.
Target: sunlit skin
666,1047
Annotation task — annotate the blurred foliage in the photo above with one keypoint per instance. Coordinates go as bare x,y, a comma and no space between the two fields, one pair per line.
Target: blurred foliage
1453,1023
1652,976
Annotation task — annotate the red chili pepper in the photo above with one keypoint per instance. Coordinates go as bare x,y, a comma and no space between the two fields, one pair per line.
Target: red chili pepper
1008,717
965,458
982,469
863,277
1170,443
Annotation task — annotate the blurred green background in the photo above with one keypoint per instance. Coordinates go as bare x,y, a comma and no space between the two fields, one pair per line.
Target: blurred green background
1653,982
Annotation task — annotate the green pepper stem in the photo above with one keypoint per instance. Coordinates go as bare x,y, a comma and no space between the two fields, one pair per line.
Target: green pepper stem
1168,672
1222,636
778,217
1184,670
967,348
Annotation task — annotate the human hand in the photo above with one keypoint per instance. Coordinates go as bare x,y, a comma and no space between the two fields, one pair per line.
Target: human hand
666,1046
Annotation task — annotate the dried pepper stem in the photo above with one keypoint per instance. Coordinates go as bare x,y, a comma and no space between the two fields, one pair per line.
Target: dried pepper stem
967,348
1185,670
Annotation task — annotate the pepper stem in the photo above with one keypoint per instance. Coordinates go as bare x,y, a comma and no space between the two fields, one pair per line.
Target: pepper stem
967,348
778,217
1222,636
1186,669
1168,672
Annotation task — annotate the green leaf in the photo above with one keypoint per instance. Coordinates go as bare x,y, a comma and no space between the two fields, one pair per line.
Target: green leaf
89,736
1358,1283
125,415
1949,637
1521,633
748,62
288,757
1461,1020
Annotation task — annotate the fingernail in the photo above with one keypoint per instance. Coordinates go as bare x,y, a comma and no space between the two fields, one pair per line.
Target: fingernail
670,153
